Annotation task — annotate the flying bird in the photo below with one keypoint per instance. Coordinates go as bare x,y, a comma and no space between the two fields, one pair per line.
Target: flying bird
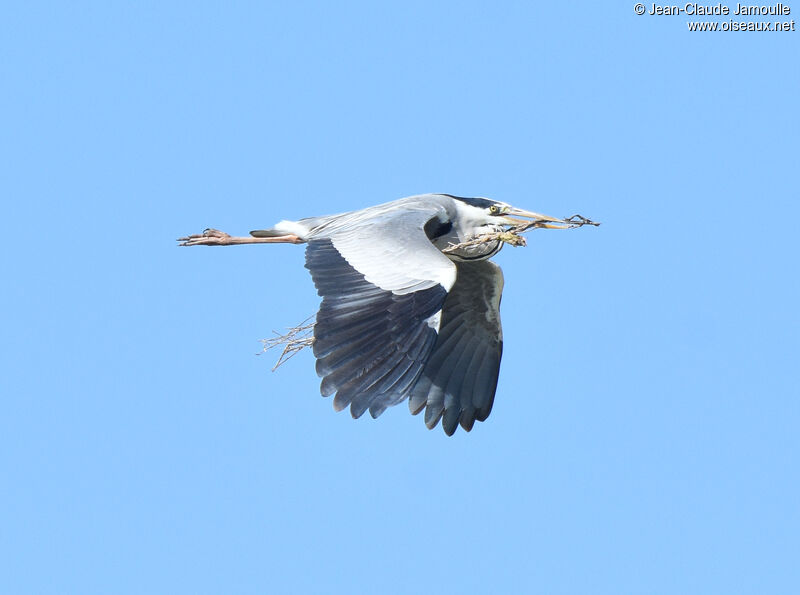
410,302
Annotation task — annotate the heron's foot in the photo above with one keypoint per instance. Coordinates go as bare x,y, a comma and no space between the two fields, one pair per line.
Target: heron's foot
210,237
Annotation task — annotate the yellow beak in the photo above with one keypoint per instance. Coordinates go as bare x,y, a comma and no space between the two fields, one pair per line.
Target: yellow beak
545,221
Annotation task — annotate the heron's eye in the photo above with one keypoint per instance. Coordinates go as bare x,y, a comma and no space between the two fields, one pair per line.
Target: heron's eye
494,209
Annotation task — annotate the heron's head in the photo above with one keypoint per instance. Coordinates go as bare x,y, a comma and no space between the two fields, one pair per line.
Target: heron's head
484,212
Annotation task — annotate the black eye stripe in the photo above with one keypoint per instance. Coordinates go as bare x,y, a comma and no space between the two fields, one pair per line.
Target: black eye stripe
481,203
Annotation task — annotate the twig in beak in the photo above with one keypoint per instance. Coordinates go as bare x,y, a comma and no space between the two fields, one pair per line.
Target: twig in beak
511,235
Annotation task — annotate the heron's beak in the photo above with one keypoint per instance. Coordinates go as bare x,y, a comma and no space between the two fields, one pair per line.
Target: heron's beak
545,221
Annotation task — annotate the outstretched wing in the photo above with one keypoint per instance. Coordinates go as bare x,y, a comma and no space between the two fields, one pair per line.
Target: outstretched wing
458,382
383,285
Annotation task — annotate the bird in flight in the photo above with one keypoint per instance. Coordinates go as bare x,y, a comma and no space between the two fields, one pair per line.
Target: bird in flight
410,302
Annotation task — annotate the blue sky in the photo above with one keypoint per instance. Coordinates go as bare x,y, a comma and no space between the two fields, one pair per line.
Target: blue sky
644,438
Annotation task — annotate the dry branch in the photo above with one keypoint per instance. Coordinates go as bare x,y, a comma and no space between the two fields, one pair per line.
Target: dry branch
293,341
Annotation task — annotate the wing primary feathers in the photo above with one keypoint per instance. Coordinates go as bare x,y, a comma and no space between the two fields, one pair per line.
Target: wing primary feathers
458,383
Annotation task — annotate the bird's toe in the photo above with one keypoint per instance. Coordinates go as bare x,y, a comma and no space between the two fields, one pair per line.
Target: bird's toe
209,237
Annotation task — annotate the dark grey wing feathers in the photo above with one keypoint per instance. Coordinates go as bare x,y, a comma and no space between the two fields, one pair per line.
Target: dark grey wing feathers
369,352
459,381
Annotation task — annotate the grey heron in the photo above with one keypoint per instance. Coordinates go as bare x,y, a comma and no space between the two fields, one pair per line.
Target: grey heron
404,314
